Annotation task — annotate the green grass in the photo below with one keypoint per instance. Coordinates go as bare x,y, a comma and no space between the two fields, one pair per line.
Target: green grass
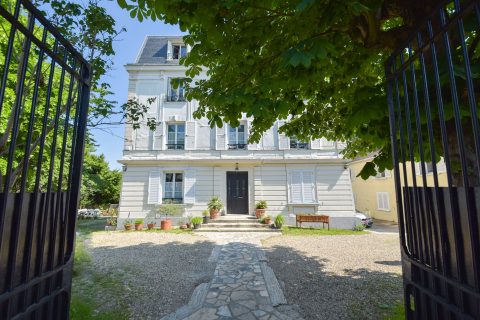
294,231
95,295
395,312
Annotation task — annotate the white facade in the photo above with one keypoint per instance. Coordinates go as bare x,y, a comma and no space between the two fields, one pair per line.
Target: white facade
186,160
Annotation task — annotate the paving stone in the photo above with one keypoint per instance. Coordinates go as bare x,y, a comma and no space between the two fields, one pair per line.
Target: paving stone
243,287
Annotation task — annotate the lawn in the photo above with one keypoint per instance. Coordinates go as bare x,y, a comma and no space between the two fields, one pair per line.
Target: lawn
295,231
95,295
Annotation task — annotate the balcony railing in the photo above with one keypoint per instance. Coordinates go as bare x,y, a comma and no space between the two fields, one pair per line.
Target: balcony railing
237,146
175,146
298,145
172,200
176,98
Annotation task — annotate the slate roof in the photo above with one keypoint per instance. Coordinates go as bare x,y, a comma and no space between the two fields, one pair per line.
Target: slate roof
154,50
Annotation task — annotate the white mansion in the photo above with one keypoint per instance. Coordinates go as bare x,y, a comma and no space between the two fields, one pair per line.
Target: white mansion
188,162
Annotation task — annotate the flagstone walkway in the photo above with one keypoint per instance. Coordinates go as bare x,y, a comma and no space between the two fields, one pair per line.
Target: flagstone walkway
243,287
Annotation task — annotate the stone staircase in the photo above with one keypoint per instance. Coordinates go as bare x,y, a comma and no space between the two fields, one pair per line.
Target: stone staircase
235,223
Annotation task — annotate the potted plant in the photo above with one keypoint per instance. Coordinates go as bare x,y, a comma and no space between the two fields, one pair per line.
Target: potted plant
260,208
279,221
182,224
139,224
215,205
151,224
111,224
266,220
128,224
197,221
206,216
189,222
168,209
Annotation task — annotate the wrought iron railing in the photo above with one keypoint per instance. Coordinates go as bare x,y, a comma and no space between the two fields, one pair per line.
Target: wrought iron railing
237,146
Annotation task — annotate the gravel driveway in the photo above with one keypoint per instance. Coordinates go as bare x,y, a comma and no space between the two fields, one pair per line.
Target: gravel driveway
338,277
159,271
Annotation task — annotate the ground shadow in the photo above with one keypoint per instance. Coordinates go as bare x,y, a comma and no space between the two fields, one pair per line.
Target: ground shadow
359,293
146,280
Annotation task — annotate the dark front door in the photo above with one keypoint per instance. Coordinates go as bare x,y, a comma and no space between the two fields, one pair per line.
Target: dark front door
237,192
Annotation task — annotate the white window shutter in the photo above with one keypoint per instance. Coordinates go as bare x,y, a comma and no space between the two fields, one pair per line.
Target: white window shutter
386,201
315,144
169,50
379,200
154,187
441,167
220,135
251,146
283,141
190,135
296,186
142,136
189,186
326,144
158,137
308,187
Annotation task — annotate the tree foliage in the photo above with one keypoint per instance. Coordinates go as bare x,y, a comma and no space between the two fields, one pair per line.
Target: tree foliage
319,63
100,185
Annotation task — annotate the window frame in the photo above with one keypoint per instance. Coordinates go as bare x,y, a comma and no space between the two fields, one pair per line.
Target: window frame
179,92
175,200
175,143
236,144
180,46
297,143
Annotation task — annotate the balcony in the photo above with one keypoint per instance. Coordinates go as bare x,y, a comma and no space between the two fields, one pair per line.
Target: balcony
298,145
176,98
175,146
237,146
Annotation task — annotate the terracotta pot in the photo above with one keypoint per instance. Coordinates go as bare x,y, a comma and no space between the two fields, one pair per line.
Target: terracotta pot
259,213
166,224
139,226
150,226
214,213
127,226
267,221
189,225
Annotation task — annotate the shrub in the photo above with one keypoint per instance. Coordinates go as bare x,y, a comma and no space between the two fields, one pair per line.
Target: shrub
197,220
138,221
262,204
279,221
205,213
128,221
169,209
359,227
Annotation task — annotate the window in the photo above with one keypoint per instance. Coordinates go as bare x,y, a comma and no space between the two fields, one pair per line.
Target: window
236,137
302,186
297,144
179,51
173,188
384,174
177,94
176,136
383,202
428,167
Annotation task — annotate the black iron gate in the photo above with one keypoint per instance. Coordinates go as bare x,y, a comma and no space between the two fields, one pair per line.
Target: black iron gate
433,87
44,92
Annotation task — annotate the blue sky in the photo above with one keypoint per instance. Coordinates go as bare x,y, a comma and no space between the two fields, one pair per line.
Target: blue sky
109,140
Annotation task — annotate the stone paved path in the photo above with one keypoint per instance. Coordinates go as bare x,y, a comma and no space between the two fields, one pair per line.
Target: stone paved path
243,286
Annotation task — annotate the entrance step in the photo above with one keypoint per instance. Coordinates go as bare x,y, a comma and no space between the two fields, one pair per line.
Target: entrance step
234,224
203,228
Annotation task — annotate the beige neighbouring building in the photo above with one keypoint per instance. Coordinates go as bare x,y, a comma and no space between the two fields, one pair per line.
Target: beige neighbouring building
376,195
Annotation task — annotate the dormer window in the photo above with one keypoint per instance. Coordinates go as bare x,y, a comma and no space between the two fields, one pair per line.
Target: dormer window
179,51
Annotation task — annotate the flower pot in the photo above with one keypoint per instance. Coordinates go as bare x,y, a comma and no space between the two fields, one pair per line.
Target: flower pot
196,225
183,226
127,226
267,221
166,224
150,226
214,213
189,225
139,226
259,213
206,219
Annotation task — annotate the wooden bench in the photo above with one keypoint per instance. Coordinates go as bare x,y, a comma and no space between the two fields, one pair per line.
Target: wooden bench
312,218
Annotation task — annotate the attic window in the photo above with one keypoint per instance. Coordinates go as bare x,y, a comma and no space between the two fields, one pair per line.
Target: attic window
179,51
